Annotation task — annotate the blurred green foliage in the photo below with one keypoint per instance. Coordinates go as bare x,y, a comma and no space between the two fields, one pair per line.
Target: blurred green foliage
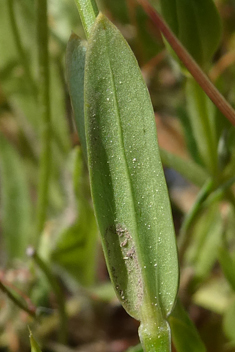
188,126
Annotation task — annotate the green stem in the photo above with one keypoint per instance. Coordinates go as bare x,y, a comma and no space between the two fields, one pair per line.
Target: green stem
154,338
57,291
190,217
45,114
16,301
154,330
195,70
19,46
88,12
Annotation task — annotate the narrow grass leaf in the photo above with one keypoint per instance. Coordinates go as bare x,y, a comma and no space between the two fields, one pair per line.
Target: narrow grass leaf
118,9
189,137
78,241
128,186
75,67
206,239
228,265
229,322
197,19
202,114
75,245
184,333
187,168
34,345
15,202
137,348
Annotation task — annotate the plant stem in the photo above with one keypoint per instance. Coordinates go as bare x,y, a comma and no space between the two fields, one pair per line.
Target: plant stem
195,70
16,301
45,114
19,46
56,289
88,12
154,338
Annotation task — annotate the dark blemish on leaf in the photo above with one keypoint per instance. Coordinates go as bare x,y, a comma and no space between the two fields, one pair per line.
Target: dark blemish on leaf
124,267
131,253
119,230
124,243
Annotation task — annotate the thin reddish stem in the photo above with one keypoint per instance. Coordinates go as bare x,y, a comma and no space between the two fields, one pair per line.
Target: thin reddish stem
195,70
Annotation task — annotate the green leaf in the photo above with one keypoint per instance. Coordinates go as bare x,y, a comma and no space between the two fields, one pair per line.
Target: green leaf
187,168
75,67
34,345
78,241
202,115
206,239
190,141
137,348
75,251
119,9
127,182
16,220
184,333
197,25
145,43
228,265
229,321
214,295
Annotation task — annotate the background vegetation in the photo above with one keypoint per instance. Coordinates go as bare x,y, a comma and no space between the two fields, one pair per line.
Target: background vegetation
61,283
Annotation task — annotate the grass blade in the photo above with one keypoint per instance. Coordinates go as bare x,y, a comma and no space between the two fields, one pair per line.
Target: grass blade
75,66
34,345
187,168
184,333
15,202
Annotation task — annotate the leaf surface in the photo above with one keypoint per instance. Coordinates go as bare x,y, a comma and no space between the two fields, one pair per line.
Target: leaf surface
127,181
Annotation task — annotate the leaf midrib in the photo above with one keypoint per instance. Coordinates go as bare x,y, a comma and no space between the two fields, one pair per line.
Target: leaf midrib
138,251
